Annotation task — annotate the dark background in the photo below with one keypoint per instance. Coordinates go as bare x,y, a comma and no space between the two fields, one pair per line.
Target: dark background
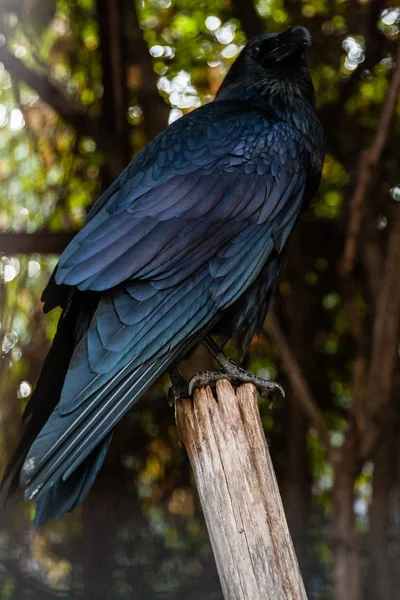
83,86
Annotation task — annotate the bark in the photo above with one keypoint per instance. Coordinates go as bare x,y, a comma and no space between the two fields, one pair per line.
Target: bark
48,242
99,529
297,378
296,484
113,63
250,20
369,162
379,518
385,336
44,242
395,512
239,494
155,110
346,571
297,480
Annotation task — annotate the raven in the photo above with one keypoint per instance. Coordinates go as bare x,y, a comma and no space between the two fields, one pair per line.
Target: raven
187,243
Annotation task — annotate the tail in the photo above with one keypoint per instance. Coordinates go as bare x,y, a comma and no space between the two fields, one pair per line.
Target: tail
73,323
69,458
63,450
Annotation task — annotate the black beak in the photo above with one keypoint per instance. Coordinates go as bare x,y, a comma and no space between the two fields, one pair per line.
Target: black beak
291,41
300,36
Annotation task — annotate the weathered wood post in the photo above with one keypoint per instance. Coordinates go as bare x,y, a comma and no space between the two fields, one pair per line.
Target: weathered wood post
239,494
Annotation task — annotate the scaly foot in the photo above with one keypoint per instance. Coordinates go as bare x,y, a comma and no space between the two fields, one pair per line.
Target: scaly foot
179,387
236,376
233,372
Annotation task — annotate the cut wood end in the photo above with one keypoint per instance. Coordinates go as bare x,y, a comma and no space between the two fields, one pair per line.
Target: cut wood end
224,392
191,413
239,494
224,386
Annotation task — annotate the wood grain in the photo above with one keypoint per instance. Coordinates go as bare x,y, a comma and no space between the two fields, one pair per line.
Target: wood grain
239,494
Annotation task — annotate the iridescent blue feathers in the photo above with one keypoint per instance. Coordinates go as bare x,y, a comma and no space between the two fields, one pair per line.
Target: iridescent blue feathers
187,241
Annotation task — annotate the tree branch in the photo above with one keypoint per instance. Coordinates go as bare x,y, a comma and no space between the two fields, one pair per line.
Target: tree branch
376,45
155,110
368,161
114,105
373,264
71,112
249,18
299,383
313,233
333,114
384,345
42,242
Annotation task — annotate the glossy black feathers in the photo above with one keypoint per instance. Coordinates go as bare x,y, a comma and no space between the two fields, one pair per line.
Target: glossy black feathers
187,241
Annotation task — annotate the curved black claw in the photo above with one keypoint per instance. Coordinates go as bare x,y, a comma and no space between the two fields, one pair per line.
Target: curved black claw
236,376
176,392
179,387
233,372
205,378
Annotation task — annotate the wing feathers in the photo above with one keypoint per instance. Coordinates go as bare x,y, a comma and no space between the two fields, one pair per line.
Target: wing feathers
180,236
95,421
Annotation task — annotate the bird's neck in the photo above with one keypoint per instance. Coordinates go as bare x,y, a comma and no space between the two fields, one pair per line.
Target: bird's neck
289,107
286,101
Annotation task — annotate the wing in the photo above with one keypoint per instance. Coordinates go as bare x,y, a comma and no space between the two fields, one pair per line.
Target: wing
190,192
173,244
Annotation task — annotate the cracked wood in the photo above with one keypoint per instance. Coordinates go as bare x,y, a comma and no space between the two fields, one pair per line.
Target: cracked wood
239,494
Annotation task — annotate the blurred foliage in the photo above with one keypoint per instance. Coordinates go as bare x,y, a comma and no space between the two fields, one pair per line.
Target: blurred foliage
143,521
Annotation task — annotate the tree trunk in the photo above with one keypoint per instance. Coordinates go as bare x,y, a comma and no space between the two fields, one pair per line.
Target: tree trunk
296,489
155,110
99,537
296,483
346,574
239,494
395,511
114,112
379,519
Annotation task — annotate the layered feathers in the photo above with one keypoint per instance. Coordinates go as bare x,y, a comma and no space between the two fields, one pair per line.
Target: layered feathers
187,241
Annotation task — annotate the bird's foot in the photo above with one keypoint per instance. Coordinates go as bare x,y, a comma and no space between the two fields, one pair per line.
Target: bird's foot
233,372
237,376
179,387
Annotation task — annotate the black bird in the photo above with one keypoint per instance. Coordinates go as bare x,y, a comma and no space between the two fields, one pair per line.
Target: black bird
185,244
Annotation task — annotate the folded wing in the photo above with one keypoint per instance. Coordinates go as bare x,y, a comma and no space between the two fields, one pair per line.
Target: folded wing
172,244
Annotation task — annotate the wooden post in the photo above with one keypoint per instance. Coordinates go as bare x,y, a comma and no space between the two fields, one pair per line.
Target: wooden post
239,494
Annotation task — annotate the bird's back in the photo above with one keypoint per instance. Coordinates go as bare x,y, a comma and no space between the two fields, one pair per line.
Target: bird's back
188,240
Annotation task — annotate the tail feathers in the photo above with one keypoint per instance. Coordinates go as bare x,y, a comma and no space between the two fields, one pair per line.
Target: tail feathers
72,326
68,442
82,433
64,496
62,452
42,403
73,322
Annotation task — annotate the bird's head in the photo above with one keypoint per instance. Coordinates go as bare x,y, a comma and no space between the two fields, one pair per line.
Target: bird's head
270,64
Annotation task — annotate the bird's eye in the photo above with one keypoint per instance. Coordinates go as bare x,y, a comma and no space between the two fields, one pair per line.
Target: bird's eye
255,50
